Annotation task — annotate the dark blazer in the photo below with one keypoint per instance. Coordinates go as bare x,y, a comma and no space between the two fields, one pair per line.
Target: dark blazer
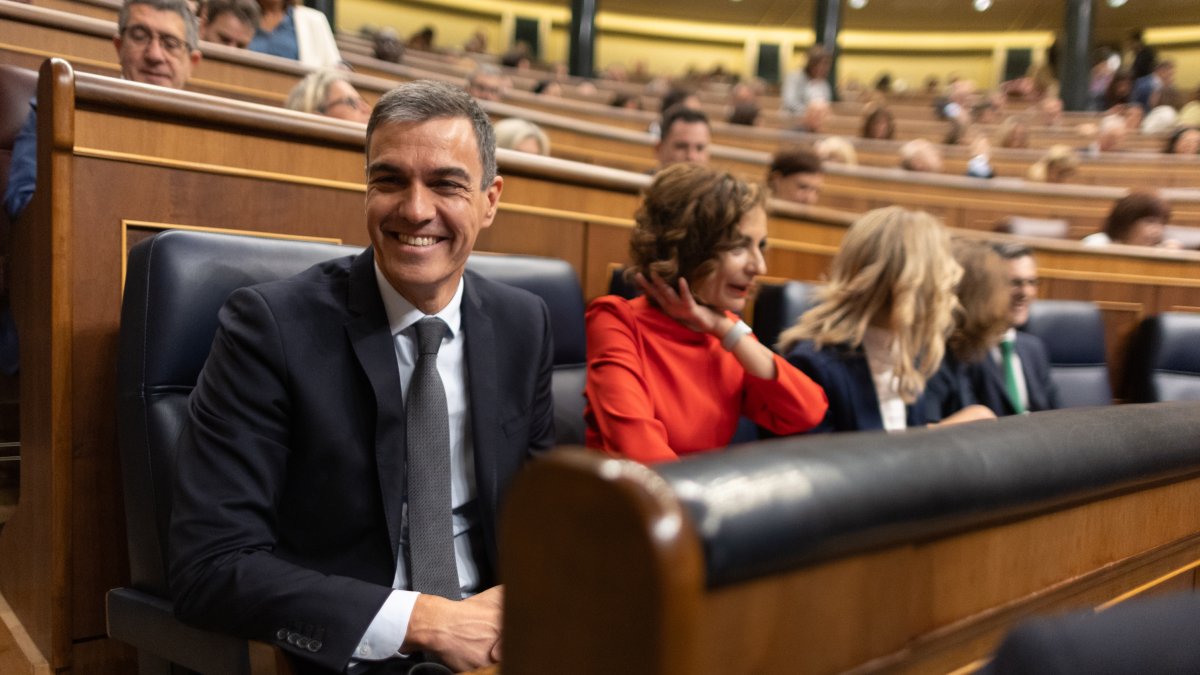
290,476
843,372
987,378
1155,635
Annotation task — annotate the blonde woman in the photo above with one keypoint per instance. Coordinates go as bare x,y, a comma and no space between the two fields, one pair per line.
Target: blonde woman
522,135
328,93
1058,165
880,331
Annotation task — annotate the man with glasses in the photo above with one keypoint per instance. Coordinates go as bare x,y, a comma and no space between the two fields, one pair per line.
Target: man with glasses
1015,376
156,44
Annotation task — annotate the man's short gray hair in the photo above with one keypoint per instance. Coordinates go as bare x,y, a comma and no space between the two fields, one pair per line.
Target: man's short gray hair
190,24
425,100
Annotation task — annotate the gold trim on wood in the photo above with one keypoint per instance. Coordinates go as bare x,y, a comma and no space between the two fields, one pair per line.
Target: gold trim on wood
96,153
81,60
1138,308
1115,277
566,215
1148,585
126,225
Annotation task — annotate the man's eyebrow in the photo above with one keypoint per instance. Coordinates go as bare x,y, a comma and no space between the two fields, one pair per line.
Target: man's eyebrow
382,167
451,172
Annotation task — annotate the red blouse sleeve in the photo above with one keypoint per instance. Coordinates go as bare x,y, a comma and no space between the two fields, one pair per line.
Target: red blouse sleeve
789,404
617,390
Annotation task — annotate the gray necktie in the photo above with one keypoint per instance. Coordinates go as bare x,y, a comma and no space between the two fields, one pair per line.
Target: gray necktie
431,533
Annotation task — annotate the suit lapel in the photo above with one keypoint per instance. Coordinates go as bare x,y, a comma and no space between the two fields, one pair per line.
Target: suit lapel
370,336
866,407
1033,380
483,390
997,390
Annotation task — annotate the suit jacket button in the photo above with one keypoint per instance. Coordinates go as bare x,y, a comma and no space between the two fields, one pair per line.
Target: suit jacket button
281,634
314,645
293,638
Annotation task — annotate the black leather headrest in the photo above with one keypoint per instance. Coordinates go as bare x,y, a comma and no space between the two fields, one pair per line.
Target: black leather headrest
777,306
1164,361
183,278
1073,331
556,283
773,505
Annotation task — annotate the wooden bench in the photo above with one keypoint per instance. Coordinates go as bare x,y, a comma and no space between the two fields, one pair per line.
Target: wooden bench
119,161
859,552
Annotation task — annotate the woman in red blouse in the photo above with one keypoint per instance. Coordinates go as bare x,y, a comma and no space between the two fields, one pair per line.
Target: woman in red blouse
671,372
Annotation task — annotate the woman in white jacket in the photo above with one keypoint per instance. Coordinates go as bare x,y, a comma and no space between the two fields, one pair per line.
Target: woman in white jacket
294,31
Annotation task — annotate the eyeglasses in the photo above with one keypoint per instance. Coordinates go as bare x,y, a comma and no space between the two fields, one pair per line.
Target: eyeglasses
141,37
353,101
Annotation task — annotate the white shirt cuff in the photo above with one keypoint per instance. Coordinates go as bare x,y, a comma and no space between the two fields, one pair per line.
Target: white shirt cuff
386,633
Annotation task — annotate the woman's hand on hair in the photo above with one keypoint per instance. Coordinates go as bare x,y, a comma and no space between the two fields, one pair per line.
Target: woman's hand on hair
681,305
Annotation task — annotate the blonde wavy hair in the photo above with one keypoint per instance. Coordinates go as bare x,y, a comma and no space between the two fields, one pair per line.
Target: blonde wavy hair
895,270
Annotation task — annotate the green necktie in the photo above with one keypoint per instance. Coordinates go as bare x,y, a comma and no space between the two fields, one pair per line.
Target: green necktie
1010,376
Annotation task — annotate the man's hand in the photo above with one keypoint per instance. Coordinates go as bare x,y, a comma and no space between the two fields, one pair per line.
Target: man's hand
463,635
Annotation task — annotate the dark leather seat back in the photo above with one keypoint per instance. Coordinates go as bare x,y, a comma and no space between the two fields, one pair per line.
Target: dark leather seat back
175,284
778,306
1073,331
1164,359
618,286
556,283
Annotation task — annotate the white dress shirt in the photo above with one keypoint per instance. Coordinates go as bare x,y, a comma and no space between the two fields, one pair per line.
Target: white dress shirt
386,633
879,344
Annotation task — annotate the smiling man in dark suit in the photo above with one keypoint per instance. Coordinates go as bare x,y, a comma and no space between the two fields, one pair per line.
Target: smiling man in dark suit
1015,377
329,498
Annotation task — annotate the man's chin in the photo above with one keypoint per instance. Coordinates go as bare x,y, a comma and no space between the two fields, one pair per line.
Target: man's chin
159,80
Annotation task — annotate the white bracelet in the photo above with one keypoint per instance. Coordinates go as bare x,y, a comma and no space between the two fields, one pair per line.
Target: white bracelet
739,331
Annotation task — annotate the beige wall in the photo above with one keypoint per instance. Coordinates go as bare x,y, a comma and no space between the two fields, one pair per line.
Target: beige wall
453,28
626,39
667,55
914,68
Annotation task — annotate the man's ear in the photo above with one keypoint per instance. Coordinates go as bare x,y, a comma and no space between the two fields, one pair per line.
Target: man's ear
194,56
117,43
492,194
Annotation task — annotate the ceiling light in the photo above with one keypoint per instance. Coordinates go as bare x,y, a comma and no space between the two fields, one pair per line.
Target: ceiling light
982,5
1116,3
858,4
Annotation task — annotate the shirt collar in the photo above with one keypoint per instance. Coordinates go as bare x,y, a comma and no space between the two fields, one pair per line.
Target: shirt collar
401,313
1010,335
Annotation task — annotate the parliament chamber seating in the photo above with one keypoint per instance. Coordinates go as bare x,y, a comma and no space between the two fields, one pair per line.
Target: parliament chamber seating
864,552
1164,359
1073,331
555,281
778,305
175,284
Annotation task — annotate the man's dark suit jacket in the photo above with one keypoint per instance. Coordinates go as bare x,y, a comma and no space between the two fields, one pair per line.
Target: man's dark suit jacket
987,378
845,375
290,476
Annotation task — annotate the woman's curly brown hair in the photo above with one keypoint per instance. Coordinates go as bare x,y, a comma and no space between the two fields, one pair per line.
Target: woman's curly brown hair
689,215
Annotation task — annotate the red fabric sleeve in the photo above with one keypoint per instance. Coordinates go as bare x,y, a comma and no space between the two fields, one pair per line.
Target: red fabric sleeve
617,391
